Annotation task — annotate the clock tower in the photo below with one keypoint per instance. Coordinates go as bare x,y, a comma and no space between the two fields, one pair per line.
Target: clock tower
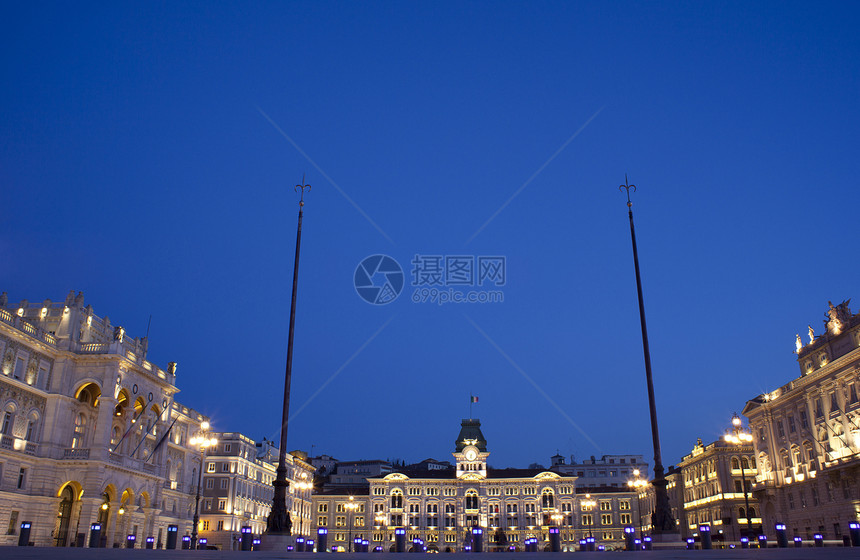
471,451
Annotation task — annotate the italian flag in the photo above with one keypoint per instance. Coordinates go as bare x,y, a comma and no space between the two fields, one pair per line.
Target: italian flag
474,398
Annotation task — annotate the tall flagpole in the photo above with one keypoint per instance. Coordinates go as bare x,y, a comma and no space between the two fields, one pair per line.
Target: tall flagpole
278,522
662,520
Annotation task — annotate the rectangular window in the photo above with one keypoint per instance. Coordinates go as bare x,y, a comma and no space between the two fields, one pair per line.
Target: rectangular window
624,504
22,475
606,519
779,429
322,521
207,504
791,427
228,447
224,483
19,368
210,483
804,422
340,521
222,505
626,518
225,467
605,506
13,523
210,467
322,508
205,524
587,519
221,525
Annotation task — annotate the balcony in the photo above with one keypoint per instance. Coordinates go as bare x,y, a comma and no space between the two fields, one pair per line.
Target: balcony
76,454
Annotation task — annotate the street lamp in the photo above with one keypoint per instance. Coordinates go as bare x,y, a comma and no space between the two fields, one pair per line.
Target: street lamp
557,518
204,443
638,484
588,503
303,484
740,437
351,506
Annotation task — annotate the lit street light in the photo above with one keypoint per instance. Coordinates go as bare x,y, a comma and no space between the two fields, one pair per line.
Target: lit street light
351,506
589,505
204,443
740,437
638,484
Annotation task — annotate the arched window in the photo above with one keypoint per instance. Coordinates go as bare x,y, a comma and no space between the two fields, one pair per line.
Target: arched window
115,437
742,513
547,499
745,464
32,427
80,430
471,500
752,512
735,464
8,419
396,500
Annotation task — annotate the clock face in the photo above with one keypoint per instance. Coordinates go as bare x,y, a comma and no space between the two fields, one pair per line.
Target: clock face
471,454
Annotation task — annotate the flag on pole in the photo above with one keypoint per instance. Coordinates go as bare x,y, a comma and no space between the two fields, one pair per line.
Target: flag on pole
162,440
474,398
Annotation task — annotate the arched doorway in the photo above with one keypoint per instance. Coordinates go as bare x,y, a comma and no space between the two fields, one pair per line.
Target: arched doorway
64,516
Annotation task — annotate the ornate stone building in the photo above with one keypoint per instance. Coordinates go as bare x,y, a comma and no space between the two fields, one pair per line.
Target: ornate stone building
237,489
90,430
713,493
807,435
441,506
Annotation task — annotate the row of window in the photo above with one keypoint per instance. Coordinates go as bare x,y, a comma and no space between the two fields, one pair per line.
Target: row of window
491,491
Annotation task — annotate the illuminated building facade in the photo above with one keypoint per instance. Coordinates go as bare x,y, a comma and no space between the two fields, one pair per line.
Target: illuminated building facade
807,435
713,491
441,506
90,430
237,489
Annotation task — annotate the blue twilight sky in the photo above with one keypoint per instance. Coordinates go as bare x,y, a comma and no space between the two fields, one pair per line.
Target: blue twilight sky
149,152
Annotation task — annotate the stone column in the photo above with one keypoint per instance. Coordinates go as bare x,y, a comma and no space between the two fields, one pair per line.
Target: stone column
100,441
114,519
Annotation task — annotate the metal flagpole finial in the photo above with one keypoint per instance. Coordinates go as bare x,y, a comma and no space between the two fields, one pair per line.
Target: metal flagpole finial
627,186
303,186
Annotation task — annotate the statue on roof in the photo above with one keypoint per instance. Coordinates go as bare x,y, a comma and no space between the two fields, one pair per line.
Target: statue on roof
837,316
798,344
811,334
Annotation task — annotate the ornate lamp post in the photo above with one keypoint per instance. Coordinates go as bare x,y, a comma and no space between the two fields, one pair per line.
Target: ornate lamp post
638,484
589,505
351,506
278,522
740,437
557,518
203,443
662,521
303,486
